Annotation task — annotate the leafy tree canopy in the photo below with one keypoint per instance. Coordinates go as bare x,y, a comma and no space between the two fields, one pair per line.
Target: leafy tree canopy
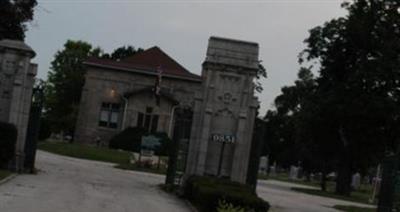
350,110
66,79
13,17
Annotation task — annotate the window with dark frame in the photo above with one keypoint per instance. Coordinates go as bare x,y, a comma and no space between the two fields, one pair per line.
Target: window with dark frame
109,115
148,120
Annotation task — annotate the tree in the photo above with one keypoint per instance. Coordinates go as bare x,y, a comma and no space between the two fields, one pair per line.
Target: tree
122,52
261,73
359,83
64,84
287,127
66,79
13,17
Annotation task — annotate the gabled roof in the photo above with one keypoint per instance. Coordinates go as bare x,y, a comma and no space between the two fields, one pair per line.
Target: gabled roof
147,62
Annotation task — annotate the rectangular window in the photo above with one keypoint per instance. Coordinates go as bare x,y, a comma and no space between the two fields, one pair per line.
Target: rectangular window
154,124
148,120
140,119
109,115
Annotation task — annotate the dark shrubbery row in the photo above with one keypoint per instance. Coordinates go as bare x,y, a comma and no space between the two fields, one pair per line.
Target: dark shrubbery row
130,140
206,192
8,138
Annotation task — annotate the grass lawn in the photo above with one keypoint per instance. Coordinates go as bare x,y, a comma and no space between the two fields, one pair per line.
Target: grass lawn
356,196
121,158
285,178
86,152
135,167
362,195
353,208
4,174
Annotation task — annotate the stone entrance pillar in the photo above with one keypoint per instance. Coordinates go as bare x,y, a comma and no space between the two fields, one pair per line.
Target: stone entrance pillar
225,110
17,76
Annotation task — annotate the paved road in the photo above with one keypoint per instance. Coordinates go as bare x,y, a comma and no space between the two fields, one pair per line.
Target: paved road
72,185
282,198
67,184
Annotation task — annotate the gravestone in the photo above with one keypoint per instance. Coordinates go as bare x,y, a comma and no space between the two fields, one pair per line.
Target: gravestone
356,181
224,111
263,168
294,172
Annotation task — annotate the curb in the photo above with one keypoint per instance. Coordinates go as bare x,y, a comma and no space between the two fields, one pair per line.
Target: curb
7,179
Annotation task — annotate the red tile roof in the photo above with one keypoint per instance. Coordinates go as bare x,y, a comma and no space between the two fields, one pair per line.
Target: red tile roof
147,62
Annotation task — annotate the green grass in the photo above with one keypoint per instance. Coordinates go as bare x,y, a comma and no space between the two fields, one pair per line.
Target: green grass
4,174
347,208
361,195
86,152
121,158
135,167
356,196
284,178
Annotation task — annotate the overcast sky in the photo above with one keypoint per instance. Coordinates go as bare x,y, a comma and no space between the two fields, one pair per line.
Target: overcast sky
182,29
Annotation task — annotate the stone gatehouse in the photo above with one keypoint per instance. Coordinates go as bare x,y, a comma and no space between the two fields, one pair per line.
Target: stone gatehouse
120,94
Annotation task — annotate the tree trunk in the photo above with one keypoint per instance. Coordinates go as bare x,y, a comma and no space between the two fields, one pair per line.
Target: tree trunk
323,178
343,179
307,175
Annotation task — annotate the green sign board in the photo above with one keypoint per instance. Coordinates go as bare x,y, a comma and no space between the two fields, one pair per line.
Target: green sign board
150,142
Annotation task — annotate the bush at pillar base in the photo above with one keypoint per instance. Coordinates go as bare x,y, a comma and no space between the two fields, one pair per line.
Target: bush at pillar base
8,138
206,193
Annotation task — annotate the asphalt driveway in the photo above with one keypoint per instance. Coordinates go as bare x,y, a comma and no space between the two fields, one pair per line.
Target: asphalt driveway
66,184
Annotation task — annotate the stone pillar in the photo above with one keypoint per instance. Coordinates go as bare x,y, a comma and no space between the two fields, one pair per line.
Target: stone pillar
17,77
225,111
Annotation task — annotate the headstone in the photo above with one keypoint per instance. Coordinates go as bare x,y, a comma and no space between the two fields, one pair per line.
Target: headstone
294,171
224,112
263,168
356,181
272,170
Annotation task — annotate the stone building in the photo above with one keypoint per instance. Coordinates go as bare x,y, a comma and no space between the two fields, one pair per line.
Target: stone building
215,112
17,76
120,94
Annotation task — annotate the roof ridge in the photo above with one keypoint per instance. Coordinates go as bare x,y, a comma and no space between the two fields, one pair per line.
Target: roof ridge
150,59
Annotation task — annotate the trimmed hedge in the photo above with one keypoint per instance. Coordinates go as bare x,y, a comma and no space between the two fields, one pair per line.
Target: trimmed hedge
8,139
206,192
130,140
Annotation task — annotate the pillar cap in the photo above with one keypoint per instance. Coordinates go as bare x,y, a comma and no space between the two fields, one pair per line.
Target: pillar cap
17,45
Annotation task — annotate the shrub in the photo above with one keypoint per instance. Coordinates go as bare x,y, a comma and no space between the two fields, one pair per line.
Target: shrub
224,206
8,138
130,140
145,164
206,192
165,143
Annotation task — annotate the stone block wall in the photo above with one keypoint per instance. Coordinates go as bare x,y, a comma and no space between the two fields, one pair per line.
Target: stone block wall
227,107
108,85
17,77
